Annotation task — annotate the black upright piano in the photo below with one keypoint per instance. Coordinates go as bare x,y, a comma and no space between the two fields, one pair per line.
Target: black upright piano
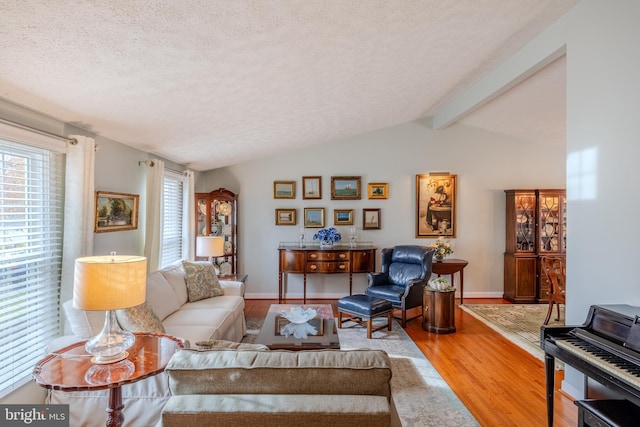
605,348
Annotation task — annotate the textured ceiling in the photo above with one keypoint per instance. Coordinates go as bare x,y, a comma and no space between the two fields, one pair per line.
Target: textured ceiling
212,83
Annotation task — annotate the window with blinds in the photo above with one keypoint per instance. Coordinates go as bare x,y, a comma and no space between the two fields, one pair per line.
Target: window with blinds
172,218
31,227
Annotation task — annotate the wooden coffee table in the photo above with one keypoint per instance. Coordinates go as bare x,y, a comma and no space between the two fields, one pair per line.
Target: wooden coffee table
324,323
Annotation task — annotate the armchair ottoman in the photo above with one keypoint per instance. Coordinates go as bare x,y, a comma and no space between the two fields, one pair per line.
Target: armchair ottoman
363,309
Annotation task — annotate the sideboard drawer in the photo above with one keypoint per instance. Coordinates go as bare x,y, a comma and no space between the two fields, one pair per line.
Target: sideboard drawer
327,267
328,256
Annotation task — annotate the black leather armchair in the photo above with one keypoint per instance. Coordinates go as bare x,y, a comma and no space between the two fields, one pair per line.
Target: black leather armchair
405,272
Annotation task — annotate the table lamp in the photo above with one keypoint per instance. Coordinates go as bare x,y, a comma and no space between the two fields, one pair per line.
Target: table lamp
210,246
109,283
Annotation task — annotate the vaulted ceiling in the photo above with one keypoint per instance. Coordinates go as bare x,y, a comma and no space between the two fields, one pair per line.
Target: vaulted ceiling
214,83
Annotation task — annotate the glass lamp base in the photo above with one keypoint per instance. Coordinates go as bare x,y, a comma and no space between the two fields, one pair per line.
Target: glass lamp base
110,345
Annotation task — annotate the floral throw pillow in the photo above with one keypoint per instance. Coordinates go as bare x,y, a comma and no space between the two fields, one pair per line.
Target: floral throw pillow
139,319
202,281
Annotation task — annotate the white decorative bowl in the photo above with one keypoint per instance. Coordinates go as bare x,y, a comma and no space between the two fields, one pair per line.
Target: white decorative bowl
298,315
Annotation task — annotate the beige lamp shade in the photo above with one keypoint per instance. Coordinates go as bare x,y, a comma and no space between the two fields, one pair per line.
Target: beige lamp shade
109,282
209,246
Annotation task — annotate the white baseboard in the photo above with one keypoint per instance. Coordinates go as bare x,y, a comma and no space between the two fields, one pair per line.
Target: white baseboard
298,295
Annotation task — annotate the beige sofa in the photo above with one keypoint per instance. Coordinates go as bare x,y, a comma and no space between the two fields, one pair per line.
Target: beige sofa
218,318
310,388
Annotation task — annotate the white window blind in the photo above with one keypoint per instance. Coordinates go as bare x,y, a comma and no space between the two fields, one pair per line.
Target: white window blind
31,227
172,219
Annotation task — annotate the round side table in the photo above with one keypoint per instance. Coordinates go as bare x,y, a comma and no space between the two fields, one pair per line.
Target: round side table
70,369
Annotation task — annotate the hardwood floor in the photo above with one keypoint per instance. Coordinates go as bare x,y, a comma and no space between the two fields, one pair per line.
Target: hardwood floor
501,384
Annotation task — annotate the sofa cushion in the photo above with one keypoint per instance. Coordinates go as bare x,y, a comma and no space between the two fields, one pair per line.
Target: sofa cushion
201,280
280,372
83,324
160,296
139,319
174,274
199,324
267,410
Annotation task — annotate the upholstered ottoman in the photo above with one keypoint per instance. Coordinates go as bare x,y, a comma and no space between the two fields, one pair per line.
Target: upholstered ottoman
363,309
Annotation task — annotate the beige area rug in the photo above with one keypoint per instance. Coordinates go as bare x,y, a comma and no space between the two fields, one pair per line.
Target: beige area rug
421,396
519,323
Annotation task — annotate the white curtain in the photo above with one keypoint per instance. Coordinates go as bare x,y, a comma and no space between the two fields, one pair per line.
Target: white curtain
189,215
153,214
78,208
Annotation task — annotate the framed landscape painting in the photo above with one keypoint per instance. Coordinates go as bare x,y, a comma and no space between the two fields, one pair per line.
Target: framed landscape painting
378,190
345,188
115,211
371,219
311,187
343,216
284,189
285,217
436,205
314,217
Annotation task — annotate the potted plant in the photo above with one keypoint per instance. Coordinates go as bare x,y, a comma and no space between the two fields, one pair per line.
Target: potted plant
441,248
327,237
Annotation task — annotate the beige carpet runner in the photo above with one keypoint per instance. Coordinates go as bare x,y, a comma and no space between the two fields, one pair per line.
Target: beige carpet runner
519,323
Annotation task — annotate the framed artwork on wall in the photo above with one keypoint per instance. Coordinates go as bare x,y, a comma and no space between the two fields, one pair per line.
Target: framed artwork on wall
312,187
378,190
371,219
343,217
314,217
115,211
345,188
284,189
285,217
436,205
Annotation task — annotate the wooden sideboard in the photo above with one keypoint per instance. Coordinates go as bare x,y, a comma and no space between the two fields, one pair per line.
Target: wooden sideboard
313,260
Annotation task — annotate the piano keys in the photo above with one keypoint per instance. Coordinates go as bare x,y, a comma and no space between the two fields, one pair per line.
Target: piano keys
605,348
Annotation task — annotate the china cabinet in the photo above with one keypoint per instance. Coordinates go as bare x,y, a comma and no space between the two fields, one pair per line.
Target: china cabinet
536,225
217,215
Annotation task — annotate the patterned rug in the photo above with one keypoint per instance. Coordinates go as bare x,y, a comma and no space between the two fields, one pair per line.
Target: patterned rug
519,323
421,396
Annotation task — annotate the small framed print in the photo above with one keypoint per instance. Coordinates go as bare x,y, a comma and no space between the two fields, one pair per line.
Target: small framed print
285,217
345,188
378,190
371,219
314,217
284,189
312,187
343,217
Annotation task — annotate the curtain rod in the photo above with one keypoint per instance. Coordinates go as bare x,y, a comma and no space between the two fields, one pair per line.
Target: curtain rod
72,141
151,164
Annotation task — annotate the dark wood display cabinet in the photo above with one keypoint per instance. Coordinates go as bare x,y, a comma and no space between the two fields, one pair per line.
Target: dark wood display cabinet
536,226
217,215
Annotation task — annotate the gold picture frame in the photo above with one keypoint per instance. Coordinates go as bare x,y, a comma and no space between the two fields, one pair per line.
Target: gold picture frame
286,217
115,211
312,187
314,217
345,188
343,217
436,205
284,189
378,190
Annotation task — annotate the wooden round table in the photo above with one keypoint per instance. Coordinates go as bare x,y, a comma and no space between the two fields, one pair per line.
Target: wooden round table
70,369
451,267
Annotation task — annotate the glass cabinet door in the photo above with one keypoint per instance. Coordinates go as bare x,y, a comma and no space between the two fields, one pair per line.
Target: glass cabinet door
551,223
525,207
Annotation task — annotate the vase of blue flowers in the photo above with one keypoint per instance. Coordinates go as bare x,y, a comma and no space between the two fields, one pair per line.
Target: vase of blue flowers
327,237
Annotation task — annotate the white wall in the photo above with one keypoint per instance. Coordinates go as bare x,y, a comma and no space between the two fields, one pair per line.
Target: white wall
603,103
486,165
